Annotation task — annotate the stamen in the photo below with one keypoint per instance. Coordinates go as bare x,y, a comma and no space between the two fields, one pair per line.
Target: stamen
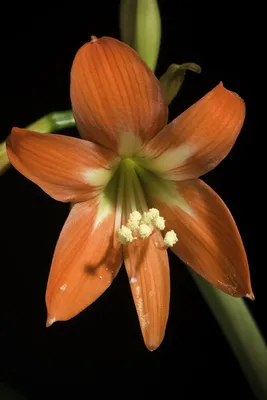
138,226
170,238
154,212
134,200
119,205
129,189
144,231
146,218
139,193
134,220
159,223
125,235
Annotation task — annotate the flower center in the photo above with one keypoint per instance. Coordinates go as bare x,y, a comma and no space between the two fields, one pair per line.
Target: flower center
134,220
130,195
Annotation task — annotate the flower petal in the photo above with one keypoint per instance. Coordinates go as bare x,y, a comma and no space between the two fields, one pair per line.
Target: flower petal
209,240
84,263
66,168
200,138
148,271
115,97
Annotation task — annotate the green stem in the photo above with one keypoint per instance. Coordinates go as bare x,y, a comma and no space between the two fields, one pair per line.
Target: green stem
241,332
52,122
55,121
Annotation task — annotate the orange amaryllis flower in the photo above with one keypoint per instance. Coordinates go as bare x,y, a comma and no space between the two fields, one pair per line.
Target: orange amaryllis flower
132,177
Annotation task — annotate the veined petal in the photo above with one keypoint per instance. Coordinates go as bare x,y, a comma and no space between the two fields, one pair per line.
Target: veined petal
84,263
209,240
148,271
200,138
115,96
66,168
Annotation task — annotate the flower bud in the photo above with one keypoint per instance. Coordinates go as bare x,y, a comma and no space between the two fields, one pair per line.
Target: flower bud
140,27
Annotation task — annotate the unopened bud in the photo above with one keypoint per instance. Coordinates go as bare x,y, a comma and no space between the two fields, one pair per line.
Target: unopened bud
140,27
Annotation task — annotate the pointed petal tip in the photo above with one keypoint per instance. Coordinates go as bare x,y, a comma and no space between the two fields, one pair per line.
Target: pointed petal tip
250,296
196,141
108,72
93,39
221,86
153,345
151,292
50,321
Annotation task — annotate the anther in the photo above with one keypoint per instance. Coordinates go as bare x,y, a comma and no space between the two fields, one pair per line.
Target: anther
159,223
144,231
134,220
170,238
125,235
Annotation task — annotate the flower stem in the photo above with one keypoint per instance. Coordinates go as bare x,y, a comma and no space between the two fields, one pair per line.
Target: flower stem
241,332
55,121
52,122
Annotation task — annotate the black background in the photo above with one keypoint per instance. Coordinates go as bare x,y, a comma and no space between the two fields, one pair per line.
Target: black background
103,344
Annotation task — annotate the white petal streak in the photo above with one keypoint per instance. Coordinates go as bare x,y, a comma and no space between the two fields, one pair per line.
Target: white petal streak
130,144
105,207
97,177
171,159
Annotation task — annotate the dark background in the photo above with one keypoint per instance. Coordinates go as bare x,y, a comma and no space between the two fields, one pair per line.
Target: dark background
103,345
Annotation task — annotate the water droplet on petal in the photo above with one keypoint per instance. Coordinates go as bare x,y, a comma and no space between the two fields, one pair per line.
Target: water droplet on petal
63,287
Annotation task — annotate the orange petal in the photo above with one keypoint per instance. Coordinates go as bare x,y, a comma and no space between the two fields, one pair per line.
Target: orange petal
66,168
115,97
209,240
148,271
200,138
84,264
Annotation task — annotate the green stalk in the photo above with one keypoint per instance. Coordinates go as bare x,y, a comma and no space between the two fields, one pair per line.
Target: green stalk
241,332
53,122
140,28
